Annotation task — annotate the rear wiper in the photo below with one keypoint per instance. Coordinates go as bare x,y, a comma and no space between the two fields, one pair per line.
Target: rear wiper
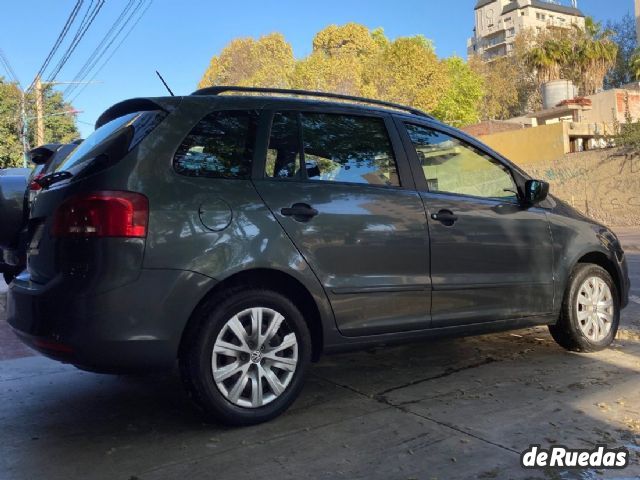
48,180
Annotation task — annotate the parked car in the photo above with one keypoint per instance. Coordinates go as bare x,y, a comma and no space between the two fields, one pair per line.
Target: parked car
13,182
246,235
46,158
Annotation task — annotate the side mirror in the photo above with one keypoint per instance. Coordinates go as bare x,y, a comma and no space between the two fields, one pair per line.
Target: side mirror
535,191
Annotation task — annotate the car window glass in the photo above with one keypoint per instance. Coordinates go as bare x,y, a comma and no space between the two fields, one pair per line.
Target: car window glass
221,145
283,154
345,148
451,166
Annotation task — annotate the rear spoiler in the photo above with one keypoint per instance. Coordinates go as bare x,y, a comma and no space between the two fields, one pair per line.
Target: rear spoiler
41,154
137,105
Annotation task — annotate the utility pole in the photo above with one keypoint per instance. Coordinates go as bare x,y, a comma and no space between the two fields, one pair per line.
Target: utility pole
39,112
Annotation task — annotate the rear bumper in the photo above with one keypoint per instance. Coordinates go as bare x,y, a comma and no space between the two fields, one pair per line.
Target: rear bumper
137,327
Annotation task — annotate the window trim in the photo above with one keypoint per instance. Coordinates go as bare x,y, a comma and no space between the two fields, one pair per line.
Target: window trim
405,176
416,168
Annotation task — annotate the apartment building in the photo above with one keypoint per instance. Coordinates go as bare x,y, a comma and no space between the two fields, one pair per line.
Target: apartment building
497,22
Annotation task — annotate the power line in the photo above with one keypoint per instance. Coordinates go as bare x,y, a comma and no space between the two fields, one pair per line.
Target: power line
101,49
4,61
114,50
87,20
65,29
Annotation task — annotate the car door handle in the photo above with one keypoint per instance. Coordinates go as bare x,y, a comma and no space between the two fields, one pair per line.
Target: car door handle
300,212
446,217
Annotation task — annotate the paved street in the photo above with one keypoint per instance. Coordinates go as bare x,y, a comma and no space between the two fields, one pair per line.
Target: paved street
460,408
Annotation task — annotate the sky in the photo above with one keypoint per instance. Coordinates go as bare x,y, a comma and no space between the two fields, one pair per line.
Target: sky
178,37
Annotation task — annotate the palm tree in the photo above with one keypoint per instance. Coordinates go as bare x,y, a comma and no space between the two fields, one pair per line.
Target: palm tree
595,54
634,63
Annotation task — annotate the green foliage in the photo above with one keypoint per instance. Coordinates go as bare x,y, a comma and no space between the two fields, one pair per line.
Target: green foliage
624,35
266,62
58,128
460,104
353,60
629,132
584,56
10,145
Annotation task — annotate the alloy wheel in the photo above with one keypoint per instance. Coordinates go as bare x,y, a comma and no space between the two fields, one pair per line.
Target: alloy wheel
254,357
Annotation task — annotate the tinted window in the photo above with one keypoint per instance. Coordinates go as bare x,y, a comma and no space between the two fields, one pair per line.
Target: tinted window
220,146
283,155
125,132
452,166
344,148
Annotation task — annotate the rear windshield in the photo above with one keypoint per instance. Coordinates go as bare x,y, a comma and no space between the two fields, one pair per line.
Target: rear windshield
129,129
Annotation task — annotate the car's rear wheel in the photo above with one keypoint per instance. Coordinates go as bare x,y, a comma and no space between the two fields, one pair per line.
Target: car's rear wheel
244,359
590,311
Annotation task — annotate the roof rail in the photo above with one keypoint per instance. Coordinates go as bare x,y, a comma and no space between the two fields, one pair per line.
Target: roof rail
307,93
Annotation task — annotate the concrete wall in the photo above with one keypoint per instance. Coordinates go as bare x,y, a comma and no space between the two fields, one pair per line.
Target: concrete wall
610,104
603,184
529,146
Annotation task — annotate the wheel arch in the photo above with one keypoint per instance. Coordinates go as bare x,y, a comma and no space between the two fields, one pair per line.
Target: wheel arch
275,280
602,260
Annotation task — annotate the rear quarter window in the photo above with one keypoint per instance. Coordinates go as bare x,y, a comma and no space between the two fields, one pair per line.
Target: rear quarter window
221,145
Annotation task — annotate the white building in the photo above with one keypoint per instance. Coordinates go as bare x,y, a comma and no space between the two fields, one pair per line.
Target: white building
497,22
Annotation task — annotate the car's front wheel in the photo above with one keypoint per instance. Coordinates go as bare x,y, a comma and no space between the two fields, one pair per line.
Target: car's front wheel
590,311
244,361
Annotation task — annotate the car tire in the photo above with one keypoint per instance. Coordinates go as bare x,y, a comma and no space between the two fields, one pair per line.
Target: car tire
590,312
222,338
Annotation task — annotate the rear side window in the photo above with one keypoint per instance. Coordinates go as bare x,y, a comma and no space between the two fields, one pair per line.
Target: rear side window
332,147
221,145
115,138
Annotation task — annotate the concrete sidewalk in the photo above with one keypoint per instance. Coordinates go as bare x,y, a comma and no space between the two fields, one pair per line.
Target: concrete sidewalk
452,409
455,409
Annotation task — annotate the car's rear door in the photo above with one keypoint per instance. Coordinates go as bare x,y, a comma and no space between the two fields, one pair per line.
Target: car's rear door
491,257
339,185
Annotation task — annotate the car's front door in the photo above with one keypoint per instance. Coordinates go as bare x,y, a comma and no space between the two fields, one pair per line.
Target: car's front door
491,258
335,183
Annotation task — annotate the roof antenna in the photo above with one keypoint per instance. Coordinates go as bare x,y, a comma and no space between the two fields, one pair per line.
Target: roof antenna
164,83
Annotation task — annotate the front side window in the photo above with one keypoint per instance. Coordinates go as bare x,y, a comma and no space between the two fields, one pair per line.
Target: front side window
451,166
221,145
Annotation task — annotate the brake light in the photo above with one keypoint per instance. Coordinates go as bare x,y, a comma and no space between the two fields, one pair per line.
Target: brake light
103,214
34,186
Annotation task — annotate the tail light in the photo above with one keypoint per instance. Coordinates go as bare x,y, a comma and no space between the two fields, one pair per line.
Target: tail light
103,214
34,186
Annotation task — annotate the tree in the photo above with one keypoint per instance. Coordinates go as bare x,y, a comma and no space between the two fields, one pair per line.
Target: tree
337,61
462,101
595,53
353,60
266,62
624,35
10,146
407,71
501,80
584,56
351,39
59,125
324,73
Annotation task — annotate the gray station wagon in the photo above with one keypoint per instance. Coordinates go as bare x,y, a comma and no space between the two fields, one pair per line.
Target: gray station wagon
245,235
